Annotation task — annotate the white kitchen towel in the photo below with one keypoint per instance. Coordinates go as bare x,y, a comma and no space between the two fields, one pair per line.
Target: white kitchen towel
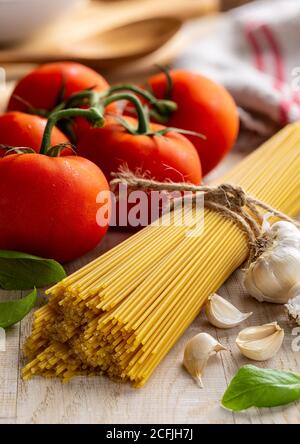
255,54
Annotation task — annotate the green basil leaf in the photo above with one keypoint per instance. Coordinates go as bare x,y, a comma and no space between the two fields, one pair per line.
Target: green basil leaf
12,312
255,387
21,271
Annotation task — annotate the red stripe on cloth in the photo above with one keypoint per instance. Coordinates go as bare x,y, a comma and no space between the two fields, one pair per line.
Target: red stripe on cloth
296,96
284,109
279,72
255,46
278,58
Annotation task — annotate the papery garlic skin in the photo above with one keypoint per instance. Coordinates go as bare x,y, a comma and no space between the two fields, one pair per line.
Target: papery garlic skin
293,305
197,353
222,314
260,343
271,277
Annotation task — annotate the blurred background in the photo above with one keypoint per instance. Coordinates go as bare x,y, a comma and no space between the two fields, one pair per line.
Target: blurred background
119,37
251,47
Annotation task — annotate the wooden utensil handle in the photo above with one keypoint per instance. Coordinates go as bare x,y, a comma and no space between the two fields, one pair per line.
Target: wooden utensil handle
148,9
183,9
99,18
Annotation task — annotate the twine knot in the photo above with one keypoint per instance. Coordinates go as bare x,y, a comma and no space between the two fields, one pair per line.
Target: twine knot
228,196
231,201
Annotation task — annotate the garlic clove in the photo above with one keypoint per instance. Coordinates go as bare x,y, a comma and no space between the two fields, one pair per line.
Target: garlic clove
258,332
262,342
294,291
277,270
197,353
251,286
222,314
293,305
287,232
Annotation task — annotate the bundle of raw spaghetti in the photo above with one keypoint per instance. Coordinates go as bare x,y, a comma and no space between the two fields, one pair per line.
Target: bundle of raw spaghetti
123,312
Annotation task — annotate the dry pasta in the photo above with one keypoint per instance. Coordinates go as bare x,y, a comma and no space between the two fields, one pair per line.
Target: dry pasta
121,314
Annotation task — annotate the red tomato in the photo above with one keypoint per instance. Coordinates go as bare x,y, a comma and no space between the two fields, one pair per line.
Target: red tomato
24,130
204,107
48,205
169,157
42,88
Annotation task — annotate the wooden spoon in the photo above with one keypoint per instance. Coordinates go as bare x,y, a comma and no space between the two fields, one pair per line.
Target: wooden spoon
99,17
138,70
119,45
126,43
108,35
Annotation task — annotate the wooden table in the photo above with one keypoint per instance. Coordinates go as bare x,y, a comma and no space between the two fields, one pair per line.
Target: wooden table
171,396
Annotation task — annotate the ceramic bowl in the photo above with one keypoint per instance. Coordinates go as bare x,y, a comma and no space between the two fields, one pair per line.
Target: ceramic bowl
21,19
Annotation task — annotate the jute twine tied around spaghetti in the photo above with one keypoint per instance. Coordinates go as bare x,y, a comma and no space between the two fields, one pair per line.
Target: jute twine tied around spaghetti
231,201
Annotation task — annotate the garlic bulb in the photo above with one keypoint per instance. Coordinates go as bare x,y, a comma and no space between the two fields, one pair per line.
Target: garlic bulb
197,353
223,314
293,305
274,274
260,343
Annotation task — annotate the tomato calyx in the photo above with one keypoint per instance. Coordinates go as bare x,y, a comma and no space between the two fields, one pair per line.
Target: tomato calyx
56,150
16,150
142,112
160,108
92,98
100,101
166,130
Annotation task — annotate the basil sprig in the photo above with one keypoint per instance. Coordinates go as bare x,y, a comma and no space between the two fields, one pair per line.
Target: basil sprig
21,271
255,387
12,312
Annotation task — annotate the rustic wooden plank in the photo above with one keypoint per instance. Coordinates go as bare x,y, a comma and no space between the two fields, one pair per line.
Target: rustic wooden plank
8,421
171,396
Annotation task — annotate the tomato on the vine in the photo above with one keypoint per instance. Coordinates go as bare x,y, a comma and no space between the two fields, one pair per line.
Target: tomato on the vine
48,85
203,106
49,204
159,152
165,156
24,130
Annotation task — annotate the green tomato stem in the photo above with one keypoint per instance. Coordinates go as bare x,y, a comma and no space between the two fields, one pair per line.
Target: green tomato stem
86,97
93,115
163,107
143,125
166,71
101,100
